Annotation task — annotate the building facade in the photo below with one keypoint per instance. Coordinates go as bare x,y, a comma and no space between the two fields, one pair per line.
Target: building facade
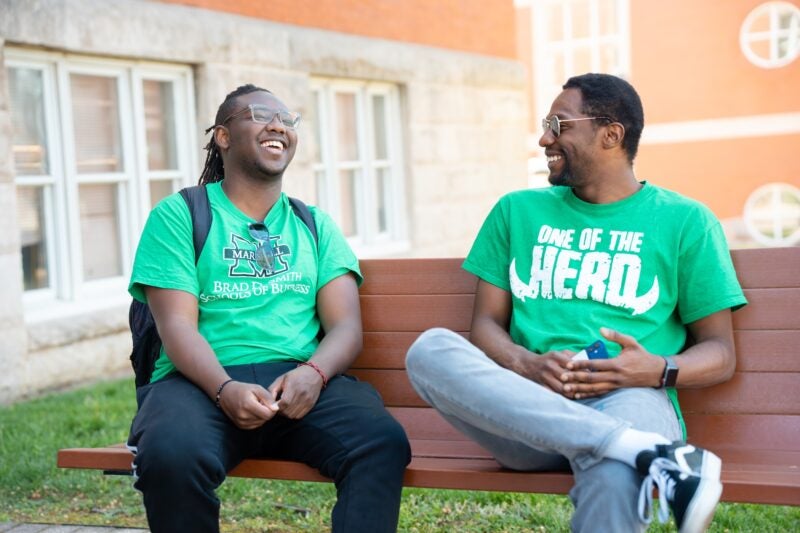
719,80
414,123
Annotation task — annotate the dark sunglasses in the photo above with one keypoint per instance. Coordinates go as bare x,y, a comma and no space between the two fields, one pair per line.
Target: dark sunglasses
265,253
554,123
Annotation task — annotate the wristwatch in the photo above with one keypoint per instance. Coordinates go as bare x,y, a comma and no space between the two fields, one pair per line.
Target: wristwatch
670,376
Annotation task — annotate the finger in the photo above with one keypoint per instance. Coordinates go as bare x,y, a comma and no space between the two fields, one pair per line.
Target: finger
577,377
563,357
257,410
586,365
266,398
626,341
595,388
276,387
554,383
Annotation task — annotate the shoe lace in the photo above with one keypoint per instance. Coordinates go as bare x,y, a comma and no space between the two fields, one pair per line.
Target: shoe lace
658,475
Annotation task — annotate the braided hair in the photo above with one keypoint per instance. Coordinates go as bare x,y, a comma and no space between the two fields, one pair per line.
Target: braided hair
214,170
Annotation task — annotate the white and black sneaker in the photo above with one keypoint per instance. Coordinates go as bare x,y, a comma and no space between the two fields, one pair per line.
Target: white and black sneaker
688,483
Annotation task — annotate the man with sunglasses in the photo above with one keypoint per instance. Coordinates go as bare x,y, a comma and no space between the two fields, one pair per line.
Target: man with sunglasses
600,256
243,372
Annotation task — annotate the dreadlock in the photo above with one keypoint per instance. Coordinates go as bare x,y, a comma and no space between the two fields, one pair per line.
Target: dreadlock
213,169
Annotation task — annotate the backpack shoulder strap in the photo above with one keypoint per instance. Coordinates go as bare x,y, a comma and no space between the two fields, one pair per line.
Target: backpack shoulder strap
301,210
196,199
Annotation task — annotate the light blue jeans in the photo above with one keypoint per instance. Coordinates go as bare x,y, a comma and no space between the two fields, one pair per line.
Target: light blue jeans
528,427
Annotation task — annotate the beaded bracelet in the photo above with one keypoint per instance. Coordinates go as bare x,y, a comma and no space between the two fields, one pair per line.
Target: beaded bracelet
319,371
219,391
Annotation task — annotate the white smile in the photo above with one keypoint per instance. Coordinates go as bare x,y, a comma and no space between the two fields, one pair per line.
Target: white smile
277,145
553,158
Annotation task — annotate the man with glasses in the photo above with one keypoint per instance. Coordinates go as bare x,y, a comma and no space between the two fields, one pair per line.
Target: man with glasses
600,257
243,372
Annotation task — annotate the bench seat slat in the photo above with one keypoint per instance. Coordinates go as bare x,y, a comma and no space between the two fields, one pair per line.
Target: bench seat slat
750,480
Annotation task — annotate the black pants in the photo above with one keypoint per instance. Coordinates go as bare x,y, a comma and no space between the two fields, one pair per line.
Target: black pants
185,445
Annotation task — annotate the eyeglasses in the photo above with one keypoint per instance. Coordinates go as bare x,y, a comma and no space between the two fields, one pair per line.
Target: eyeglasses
554,123
264,115
265,253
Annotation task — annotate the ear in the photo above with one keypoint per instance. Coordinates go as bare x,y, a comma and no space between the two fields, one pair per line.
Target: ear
614,134
222,137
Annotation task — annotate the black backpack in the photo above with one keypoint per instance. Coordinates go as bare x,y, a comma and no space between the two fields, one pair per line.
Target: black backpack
146,342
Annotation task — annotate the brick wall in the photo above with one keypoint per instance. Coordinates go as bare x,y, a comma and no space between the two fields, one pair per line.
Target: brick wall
466,25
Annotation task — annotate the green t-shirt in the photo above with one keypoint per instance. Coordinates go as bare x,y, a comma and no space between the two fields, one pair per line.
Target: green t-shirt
246,314
645,266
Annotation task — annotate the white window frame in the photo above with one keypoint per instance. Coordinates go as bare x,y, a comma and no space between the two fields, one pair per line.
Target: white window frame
53,189
368,240
773,10
546,47
68,290
123,178
183,99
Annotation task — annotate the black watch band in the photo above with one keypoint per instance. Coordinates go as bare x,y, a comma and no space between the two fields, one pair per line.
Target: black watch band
670,376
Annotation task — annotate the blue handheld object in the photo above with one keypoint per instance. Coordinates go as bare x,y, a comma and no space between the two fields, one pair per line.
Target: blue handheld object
597,350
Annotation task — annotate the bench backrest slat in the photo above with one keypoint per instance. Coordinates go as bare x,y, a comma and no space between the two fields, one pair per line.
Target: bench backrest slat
745,432
765,351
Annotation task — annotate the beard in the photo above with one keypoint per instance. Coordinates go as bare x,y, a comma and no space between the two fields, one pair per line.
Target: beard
563,178
570,175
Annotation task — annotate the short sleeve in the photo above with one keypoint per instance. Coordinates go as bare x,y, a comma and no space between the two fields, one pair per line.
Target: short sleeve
707,280
165,255
336,258
489,256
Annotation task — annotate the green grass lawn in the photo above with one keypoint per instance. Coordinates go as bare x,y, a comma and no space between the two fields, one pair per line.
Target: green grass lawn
32,489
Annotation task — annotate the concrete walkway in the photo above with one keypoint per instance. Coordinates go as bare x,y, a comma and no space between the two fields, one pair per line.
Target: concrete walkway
11,527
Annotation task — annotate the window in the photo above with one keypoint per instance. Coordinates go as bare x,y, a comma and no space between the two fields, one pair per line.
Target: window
770,35
358,163
772,215
578,36
572,37
95,144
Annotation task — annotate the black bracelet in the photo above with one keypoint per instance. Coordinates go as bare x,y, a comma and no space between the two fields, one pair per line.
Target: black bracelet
219,391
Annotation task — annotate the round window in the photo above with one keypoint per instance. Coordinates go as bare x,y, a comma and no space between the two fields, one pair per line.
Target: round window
772,214
770,35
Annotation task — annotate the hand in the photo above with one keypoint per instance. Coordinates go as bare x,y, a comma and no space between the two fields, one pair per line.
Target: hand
297,390
633,367
546,369
247,405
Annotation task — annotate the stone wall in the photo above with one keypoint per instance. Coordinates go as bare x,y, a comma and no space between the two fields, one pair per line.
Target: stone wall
12,328
464,131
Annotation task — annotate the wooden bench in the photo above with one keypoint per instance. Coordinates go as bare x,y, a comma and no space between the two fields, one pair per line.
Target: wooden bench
752,421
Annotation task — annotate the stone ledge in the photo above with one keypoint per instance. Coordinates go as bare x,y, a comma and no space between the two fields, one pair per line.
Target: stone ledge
75,328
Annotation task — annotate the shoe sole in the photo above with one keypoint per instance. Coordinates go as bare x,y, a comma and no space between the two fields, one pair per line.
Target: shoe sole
712,467
701,509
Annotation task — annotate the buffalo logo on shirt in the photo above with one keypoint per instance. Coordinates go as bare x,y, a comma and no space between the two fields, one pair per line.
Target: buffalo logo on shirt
604,268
